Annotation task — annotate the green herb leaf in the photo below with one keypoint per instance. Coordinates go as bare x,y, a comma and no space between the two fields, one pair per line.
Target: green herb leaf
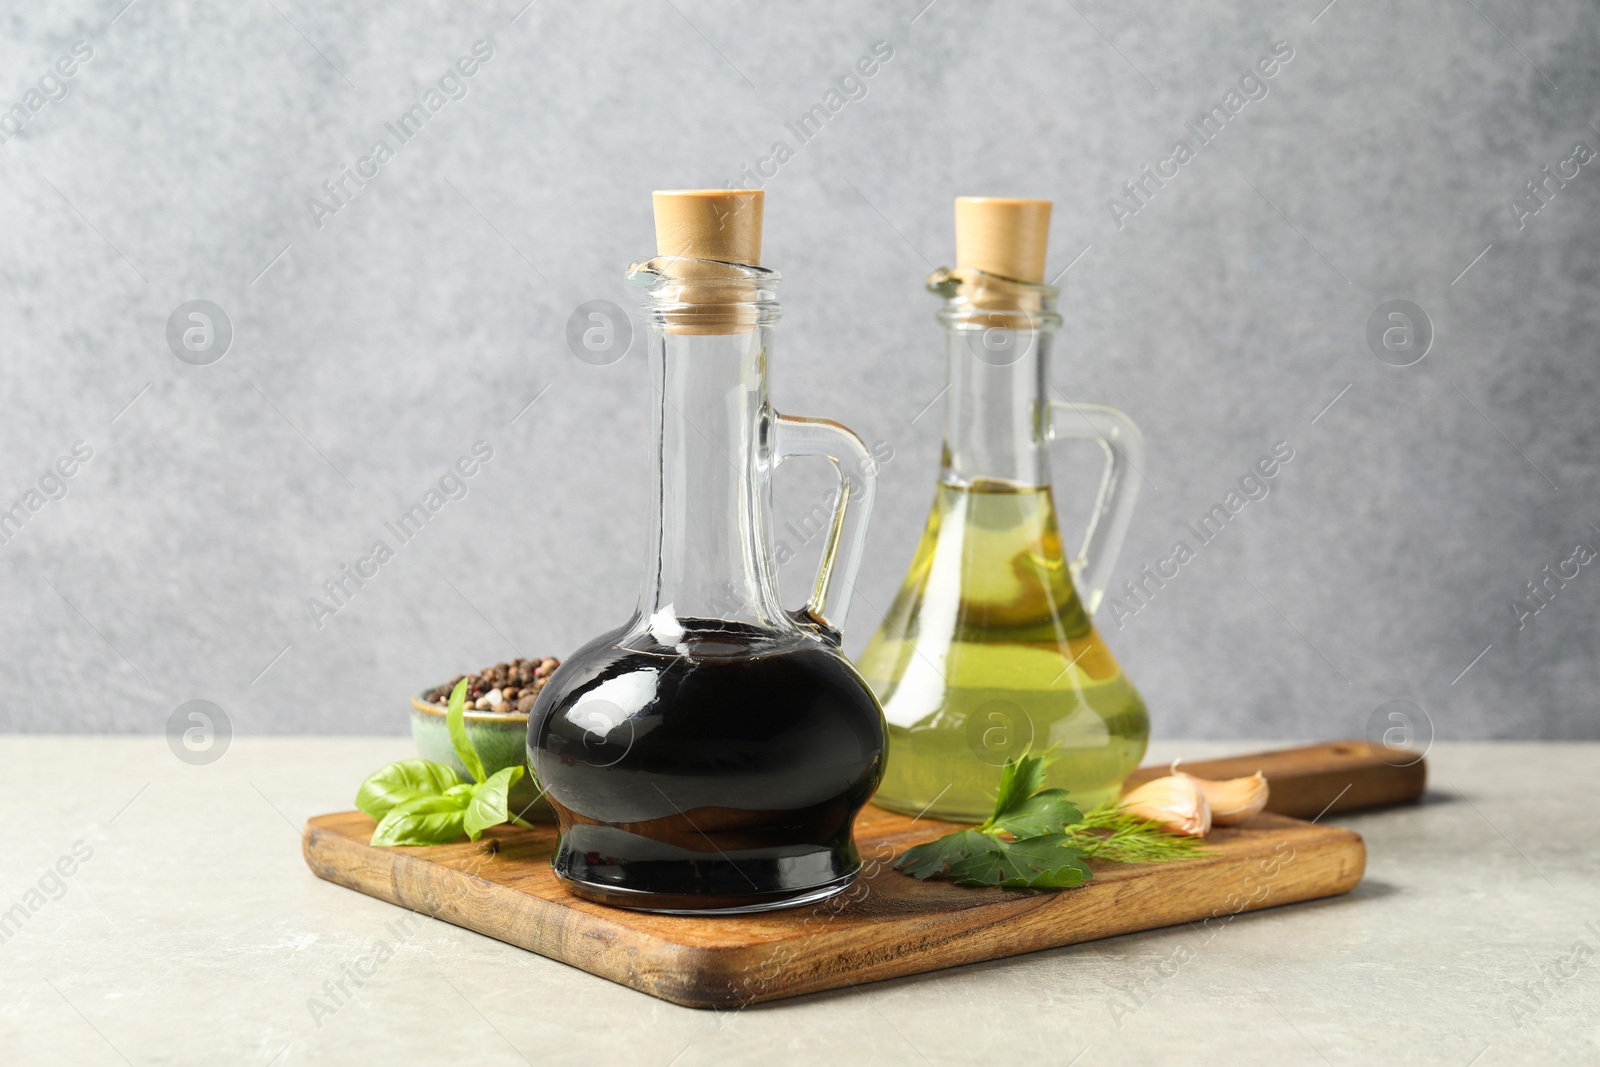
405,780
1043,862
1019,780
419,802
488,805
1038,839
425,820
1046,812
456,720
934,858
1110,833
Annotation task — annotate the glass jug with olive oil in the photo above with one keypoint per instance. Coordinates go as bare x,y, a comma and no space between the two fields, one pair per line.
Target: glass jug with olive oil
710,754
989,650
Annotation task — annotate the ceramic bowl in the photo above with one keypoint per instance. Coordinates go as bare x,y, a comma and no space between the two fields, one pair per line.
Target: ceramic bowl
501,740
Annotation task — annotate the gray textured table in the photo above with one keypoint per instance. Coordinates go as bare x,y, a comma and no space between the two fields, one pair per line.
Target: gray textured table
188,931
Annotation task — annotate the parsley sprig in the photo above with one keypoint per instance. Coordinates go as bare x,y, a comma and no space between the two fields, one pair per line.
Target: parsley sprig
1038,839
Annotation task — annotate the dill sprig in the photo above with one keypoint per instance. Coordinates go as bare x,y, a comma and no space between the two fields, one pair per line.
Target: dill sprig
1111,833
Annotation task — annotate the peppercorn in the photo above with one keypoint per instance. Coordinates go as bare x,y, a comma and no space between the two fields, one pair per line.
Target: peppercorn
518,681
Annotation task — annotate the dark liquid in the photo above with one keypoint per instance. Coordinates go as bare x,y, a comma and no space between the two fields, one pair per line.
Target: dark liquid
727,778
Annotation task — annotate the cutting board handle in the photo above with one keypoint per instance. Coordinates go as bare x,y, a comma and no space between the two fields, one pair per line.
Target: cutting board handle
1319,779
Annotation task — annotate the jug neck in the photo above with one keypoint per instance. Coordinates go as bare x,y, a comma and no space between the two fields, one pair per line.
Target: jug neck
998,335
709,556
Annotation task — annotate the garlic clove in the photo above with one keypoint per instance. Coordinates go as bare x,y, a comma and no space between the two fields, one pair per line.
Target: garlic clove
1233,800
1175,802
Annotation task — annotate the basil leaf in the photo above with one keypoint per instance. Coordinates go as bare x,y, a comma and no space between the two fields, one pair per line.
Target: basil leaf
425,820
405,780
488,805
1046,812
456,720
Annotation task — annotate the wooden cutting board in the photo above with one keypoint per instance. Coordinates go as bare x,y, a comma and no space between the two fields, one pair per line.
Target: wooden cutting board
887,925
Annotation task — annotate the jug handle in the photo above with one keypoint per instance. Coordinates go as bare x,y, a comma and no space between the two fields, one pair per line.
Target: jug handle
796,435
1123,446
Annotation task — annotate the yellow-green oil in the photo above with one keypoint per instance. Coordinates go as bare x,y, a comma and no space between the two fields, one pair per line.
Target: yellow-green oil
987,654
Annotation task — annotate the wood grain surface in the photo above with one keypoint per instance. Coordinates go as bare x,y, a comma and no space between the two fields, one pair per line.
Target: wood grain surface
1320,779
887,925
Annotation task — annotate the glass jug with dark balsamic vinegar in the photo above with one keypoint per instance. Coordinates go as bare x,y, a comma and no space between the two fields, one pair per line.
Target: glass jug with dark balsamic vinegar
989,651
711,754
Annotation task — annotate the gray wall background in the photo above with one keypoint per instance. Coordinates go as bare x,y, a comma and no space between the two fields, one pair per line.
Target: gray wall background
372,351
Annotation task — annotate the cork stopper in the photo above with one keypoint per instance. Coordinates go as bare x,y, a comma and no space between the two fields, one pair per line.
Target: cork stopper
710,224
1003,236
720,224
